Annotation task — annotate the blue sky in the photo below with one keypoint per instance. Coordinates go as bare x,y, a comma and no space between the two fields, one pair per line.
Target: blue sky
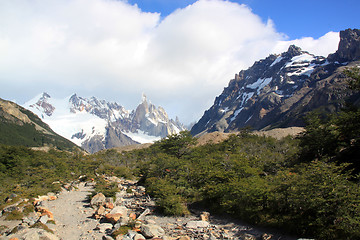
180,53
304,18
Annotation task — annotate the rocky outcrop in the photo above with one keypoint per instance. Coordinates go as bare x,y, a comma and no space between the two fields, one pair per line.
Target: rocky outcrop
280,90
349,46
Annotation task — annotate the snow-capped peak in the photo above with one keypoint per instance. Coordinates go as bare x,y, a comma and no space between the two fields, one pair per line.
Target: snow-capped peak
98,124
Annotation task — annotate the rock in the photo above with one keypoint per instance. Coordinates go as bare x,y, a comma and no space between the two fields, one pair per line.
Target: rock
105,237
248,236
138,236
141,189
349,46
204,216
40,199
11,208
212,237
29,220
52,198
144,213
44,219
151,230
45,211
132,216
43,204
184,238
32,234
102,227
266,236
197,224
100,211
120,209
124,220
113,218
109,203
97,200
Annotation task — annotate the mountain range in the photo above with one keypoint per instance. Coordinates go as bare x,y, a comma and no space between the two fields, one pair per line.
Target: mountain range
97,124
280,90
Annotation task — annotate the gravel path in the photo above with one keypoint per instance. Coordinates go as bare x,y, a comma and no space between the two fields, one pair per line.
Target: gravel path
72,215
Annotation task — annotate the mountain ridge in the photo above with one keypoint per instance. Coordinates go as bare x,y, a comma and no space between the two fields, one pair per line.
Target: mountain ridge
279,90
97,124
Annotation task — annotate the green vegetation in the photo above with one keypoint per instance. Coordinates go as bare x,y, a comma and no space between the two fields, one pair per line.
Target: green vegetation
29,173
42,226
307,185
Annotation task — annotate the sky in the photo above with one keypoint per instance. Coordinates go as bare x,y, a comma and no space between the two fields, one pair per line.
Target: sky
180,53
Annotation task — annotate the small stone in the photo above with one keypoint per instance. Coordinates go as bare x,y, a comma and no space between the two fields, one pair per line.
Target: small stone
45,211
102,227
184,238
44,219
144,213
105,237
204,216
100,210
266,236
132,216
197,224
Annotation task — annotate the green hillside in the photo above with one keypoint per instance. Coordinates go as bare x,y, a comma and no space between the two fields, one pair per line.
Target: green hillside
20,127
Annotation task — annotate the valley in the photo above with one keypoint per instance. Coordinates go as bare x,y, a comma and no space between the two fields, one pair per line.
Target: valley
275,157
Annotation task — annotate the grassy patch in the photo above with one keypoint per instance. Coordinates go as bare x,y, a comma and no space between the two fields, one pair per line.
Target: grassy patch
42,226
14,215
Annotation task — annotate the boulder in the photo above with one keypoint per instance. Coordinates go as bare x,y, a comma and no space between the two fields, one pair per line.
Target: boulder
151,230
120,209
138,236
113,218
97,200
197,224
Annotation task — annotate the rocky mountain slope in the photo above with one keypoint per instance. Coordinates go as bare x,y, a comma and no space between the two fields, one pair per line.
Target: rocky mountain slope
97,124
19,126
278,91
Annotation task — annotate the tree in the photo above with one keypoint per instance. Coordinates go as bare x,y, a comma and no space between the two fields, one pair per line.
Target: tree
177,144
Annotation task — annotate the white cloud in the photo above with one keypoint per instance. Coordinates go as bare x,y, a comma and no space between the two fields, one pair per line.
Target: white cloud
320,47
113,50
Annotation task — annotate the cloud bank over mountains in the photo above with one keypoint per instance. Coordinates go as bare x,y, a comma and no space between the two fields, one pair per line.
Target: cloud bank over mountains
115,51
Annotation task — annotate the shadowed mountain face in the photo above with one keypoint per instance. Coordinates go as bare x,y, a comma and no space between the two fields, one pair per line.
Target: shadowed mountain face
278,91
19,126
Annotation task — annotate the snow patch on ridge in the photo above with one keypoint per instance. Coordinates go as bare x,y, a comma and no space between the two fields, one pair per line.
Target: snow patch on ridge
142,137
277,60
259,84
